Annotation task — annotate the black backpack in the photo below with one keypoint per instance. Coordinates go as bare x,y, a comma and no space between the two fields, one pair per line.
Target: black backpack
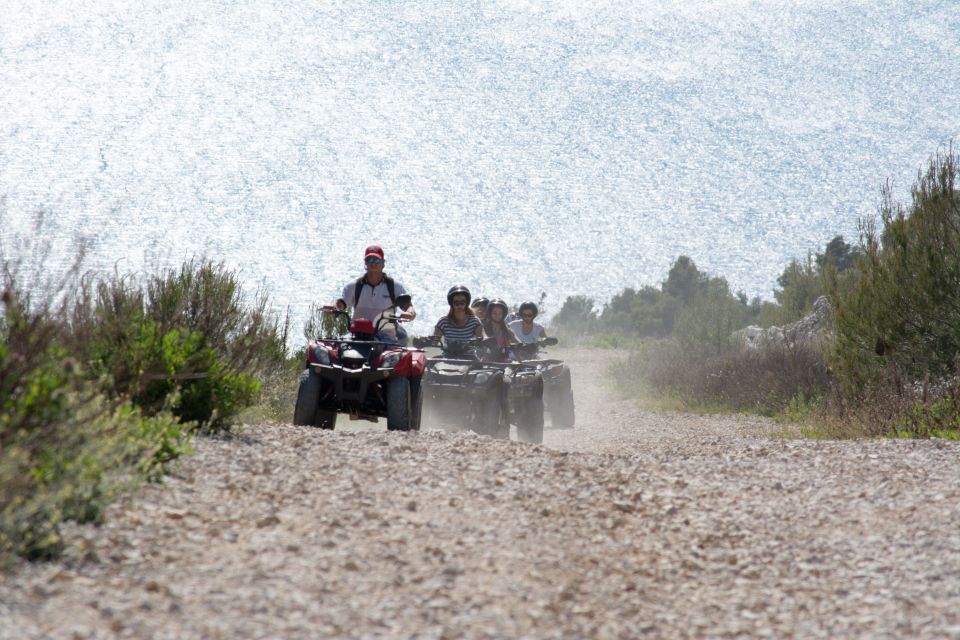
362,281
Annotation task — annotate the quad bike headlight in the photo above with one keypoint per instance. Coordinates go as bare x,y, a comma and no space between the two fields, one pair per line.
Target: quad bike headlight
322,355
390,360
481,377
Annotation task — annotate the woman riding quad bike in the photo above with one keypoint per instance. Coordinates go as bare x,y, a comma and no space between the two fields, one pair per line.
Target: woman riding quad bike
526,330
460,388
479,307
460,323
496,328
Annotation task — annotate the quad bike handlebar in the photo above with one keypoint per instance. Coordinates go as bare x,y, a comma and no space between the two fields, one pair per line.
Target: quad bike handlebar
530,350
546,342
461,346
443,343
382,320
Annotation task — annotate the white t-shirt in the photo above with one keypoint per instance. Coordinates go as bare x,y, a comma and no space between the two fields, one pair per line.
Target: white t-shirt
526,338
373,302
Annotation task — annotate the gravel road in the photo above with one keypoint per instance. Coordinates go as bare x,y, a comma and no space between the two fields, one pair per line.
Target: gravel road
634,524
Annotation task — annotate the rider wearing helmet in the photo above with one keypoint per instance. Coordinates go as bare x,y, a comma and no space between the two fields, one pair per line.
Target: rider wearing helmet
479,307
526,330
460,323
376,293
495,327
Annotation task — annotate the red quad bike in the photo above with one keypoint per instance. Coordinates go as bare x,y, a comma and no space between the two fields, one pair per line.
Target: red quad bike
363,377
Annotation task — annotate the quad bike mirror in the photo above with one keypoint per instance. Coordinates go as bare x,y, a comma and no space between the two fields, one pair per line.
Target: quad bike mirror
404,301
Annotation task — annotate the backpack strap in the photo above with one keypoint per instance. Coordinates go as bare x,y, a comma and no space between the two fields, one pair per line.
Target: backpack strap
357,288
391,289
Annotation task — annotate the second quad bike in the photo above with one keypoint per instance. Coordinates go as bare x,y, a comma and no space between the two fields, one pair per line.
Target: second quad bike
461,389
365,376
474,385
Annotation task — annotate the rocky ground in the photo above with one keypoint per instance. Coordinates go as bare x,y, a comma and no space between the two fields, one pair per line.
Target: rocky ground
633,524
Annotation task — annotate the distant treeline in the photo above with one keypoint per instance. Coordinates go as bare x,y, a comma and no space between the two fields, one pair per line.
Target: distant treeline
888,361
688,293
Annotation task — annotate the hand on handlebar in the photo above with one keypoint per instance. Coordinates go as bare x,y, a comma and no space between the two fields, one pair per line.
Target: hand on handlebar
426,341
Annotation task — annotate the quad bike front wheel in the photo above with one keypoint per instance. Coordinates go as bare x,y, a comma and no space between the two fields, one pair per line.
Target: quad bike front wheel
490,414
562,411
399,407
530,419
416,390
307,411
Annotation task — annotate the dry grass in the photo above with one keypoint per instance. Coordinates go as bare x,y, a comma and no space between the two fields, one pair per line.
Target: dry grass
764,380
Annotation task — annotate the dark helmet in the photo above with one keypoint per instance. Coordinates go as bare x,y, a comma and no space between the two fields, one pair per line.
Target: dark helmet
481,302
529,305
455,290
497,302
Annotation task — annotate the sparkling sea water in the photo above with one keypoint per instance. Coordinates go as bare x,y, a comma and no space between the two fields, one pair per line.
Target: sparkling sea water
517,147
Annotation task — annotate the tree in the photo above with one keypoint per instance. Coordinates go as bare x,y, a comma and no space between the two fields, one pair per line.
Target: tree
706,324
839,254
684,280
577,315
647,312
801,285
899,308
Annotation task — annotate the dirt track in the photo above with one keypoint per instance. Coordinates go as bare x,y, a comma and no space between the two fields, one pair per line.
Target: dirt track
634,524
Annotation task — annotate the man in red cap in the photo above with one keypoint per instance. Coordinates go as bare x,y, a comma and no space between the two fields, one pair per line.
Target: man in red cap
377,293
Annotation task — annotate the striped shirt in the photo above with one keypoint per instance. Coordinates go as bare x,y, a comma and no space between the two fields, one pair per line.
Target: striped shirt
452,332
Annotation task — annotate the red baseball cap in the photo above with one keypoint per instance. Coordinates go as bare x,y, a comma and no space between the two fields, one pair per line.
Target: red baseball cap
373,250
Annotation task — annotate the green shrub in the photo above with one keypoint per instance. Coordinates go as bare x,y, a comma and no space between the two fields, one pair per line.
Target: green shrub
801,283
103,390
644,312
653,312
279,392
65,449
69,466
184,340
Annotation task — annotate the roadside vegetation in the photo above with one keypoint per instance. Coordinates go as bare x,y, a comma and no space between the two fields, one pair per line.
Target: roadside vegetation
881,359
103,381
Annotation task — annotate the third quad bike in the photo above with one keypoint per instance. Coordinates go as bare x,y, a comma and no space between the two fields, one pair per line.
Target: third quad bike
365,376
557,386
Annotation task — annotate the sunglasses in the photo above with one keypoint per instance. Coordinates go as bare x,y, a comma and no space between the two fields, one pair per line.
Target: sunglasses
374,261
459,302
527,316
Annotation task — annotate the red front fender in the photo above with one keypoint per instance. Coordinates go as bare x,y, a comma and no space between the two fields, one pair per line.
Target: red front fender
411,365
